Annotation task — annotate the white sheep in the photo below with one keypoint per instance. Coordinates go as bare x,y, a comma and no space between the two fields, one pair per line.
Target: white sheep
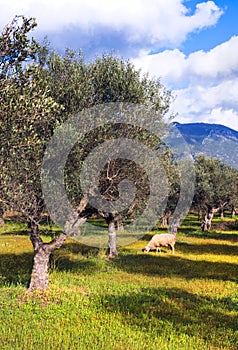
161,240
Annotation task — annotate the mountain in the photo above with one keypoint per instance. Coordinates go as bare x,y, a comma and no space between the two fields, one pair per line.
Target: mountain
212,140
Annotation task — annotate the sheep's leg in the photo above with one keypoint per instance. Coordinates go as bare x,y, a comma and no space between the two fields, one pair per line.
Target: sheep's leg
158,250
172,248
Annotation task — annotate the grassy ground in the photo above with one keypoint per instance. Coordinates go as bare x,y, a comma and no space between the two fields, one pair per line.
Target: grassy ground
136,301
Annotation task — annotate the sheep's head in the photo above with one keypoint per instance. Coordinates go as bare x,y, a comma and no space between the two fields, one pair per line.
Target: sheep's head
146,249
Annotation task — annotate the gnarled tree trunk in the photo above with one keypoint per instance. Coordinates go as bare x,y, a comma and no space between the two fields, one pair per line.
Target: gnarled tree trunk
233,212
207,222
175,224
42,251
1,216
199,214
221,210
120,226
165,219
112,238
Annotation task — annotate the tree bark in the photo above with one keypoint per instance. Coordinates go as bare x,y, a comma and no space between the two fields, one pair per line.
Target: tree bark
120,226
222,213
199,214
221,210
164,222
40,275
165,219
1,216
112,238
174,226
42,251
233,212
207,222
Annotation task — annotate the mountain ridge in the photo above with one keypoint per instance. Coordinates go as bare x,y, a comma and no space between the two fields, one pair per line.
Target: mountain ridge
212,140
204,129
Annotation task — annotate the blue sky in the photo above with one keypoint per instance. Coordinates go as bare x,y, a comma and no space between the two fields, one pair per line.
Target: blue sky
190,45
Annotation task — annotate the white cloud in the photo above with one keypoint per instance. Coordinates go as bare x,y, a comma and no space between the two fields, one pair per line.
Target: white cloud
154,21
205,83
197,98
169,65
222,61
173,66
215,104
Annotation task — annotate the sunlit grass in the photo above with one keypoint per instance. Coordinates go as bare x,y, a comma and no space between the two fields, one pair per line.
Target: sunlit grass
188,300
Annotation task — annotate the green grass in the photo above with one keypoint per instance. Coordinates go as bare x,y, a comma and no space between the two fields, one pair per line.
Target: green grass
136,301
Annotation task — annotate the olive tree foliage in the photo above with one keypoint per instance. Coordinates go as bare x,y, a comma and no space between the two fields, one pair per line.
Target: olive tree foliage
216,188
28,117
233,199
77,85
15,47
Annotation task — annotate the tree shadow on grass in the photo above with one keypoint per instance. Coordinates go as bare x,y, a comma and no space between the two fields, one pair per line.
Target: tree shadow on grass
12,228
230,237
222,236
15,268
84,265
72,256
172,266
176,310
211,248
16,233
189,230
76,257
75,247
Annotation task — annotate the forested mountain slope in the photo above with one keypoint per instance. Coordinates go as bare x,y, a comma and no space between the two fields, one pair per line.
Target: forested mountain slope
212,140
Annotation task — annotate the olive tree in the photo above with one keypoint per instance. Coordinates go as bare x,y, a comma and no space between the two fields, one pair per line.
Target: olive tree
28,117
77,85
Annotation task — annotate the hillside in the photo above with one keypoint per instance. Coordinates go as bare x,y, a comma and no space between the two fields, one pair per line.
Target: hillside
212,140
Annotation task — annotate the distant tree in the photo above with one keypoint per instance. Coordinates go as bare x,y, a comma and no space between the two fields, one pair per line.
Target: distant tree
1,215
233,198
173,175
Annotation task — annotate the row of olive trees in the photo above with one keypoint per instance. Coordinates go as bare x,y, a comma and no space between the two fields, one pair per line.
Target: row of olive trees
216,190
39,90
